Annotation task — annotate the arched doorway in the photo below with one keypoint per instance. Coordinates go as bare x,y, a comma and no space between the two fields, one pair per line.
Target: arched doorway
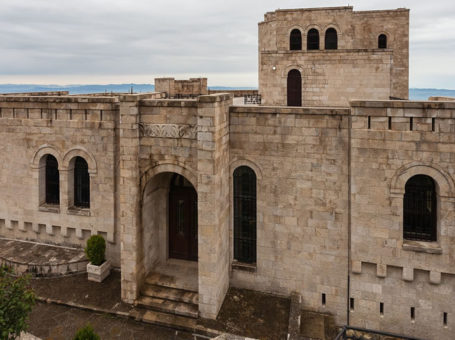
182,219
294,88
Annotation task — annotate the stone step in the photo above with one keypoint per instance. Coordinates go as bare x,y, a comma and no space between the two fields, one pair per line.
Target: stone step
163,280
167,306
172,294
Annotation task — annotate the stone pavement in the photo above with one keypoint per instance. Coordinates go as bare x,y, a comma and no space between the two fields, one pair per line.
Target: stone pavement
56,322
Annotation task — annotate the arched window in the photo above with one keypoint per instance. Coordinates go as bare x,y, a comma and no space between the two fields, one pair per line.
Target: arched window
419,209
294,90
52,181
245,215
81,183
331,39
312,42
382,41
295,40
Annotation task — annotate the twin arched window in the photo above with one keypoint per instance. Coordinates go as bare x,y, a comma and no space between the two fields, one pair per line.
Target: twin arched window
382,41
245,215
419,209
312,42
79,176
295,40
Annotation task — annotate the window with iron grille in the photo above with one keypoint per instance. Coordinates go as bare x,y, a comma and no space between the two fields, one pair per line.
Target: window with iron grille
313,39
382,41
52,181
331,39
419,209
245,215
295,40
81,183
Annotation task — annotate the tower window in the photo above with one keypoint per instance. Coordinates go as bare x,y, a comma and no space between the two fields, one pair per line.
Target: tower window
382,41
331,39
313,39
295,40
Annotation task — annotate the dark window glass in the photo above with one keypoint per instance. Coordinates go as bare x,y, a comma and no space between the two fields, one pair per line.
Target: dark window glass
295,40
419,209
245,215
382,41
52,181
81,184
313,39
331,39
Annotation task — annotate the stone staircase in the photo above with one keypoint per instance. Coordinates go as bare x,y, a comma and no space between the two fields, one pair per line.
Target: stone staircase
160,293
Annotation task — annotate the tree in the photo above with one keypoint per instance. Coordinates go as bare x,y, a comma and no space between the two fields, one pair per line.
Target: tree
16,302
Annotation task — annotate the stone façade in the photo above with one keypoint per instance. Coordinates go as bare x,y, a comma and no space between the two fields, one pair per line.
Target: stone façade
330,186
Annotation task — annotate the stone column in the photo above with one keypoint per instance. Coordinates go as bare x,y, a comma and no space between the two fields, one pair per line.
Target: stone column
213,201
129,192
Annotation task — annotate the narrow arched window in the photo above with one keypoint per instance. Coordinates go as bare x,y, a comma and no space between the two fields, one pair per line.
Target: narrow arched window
313,39
419,209
81,183
245,215
52,180
331,39
382,41
295,40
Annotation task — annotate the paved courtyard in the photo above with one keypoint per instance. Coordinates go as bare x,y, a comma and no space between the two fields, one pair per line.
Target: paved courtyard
50,321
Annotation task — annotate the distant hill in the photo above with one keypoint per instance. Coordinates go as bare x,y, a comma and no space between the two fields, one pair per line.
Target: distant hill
414,93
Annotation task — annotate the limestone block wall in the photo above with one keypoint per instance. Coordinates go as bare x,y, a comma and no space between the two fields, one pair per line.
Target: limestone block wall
329,78
391,142
213,201
300,156
356,30
181,88
65,127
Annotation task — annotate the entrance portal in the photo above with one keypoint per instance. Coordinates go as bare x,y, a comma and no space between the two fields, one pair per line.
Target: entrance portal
182,219
294,88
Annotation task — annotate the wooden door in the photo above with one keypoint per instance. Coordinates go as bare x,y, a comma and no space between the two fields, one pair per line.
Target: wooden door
294,88
183,223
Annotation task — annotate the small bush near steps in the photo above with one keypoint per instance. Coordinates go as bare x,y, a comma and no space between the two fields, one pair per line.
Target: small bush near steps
86,333
95,250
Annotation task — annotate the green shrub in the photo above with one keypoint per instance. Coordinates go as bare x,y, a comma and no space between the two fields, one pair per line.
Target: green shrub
16,302
96,247
86,333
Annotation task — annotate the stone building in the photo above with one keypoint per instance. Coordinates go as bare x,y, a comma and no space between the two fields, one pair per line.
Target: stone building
351,206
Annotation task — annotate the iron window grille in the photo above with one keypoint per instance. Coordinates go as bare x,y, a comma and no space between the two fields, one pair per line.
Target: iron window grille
81,183
245,215
52,181
419,209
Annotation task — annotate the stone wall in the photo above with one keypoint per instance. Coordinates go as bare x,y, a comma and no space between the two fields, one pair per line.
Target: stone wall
181,88
65,127
391,142
330,77
300,157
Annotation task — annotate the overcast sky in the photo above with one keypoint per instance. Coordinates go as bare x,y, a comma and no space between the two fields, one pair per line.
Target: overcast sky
119,41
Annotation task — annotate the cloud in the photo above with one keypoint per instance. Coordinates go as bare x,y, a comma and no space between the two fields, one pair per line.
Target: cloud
102,39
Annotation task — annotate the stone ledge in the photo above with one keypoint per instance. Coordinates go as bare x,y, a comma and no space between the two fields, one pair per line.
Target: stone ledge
291,110
422,247
244,267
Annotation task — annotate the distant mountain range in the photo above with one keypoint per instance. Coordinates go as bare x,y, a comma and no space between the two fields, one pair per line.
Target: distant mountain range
414,93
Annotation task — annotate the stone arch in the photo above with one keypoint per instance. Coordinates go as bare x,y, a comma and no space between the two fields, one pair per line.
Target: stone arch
444,182
289,68
335,27
375,37
308,27
81,152
161,167
244,162
43,150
